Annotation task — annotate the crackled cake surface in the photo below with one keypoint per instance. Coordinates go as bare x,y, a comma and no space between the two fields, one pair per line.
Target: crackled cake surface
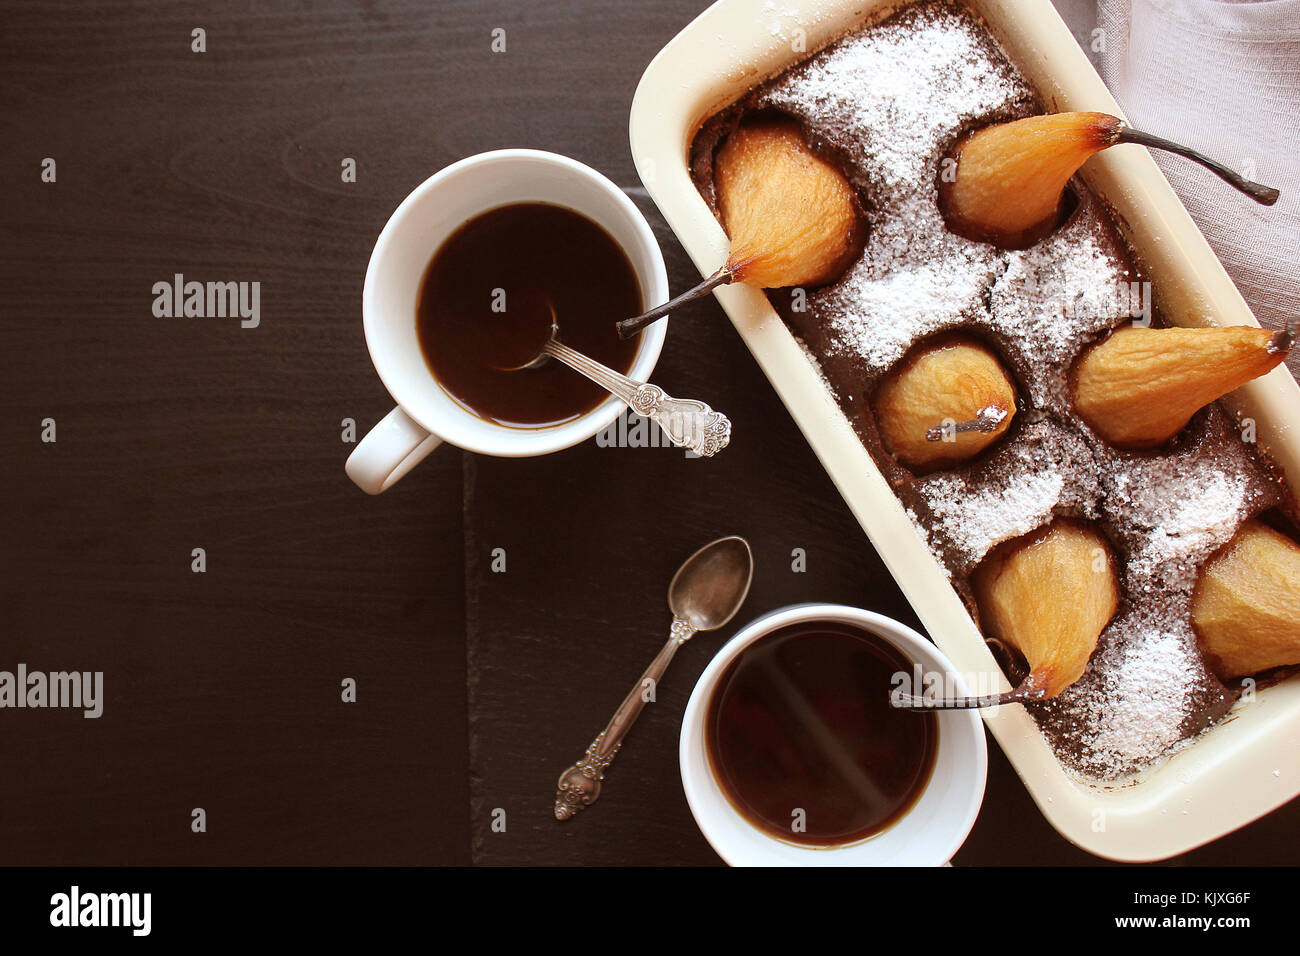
887,103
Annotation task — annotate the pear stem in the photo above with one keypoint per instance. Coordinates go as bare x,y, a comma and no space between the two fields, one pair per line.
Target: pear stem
986,421
1282,339
1015,696
629,327
1265,195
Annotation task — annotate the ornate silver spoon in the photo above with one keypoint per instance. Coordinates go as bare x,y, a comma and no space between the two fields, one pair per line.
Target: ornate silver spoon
705,593
688,423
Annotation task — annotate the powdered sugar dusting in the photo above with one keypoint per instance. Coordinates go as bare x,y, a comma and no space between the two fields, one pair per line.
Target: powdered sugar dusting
1063,291
902,93
984,516
1189,528
878,319
1172,510
914,276
1040,473
1137,696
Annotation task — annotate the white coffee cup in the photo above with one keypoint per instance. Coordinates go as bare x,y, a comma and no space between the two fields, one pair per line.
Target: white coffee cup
928,834
426,415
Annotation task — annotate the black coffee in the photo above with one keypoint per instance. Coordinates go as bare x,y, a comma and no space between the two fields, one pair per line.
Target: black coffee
803,740
488,298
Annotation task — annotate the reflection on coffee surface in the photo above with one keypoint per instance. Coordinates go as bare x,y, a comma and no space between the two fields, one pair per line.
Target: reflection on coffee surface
488,299
801,736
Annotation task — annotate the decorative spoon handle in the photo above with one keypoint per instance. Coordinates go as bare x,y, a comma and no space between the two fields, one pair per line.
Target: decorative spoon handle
579,786
688,423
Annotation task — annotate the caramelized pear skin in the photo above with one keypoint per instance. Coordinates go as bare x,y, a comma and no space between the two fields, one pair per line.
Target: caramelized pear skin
1247,605
791,216
1007,184
941,383
1140,386
1049,594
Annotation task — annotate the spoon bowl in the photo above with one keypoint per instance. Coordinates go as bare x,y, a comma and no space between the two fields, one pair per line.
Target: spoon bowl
542,330
711,585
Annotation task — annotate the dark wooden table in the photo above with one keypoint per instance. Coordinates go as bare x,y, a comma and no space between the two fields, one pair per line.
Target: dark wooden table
474,688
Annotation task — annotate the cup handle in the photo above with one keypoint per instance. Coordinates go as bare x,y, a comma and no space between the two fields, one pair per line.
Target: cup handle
389,450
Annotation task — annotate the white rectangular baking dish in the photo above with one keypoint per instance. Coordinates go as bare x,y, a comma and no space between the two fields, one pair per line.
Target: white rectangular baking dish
1249,763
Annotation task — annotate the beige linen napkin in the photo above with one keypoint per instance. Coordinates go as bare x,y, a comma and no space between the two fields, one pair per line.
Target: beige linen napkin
1225,78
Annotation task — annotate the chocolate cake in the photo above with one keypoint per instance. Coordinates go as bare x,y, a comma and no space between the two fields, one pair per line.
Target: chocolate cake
886,104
